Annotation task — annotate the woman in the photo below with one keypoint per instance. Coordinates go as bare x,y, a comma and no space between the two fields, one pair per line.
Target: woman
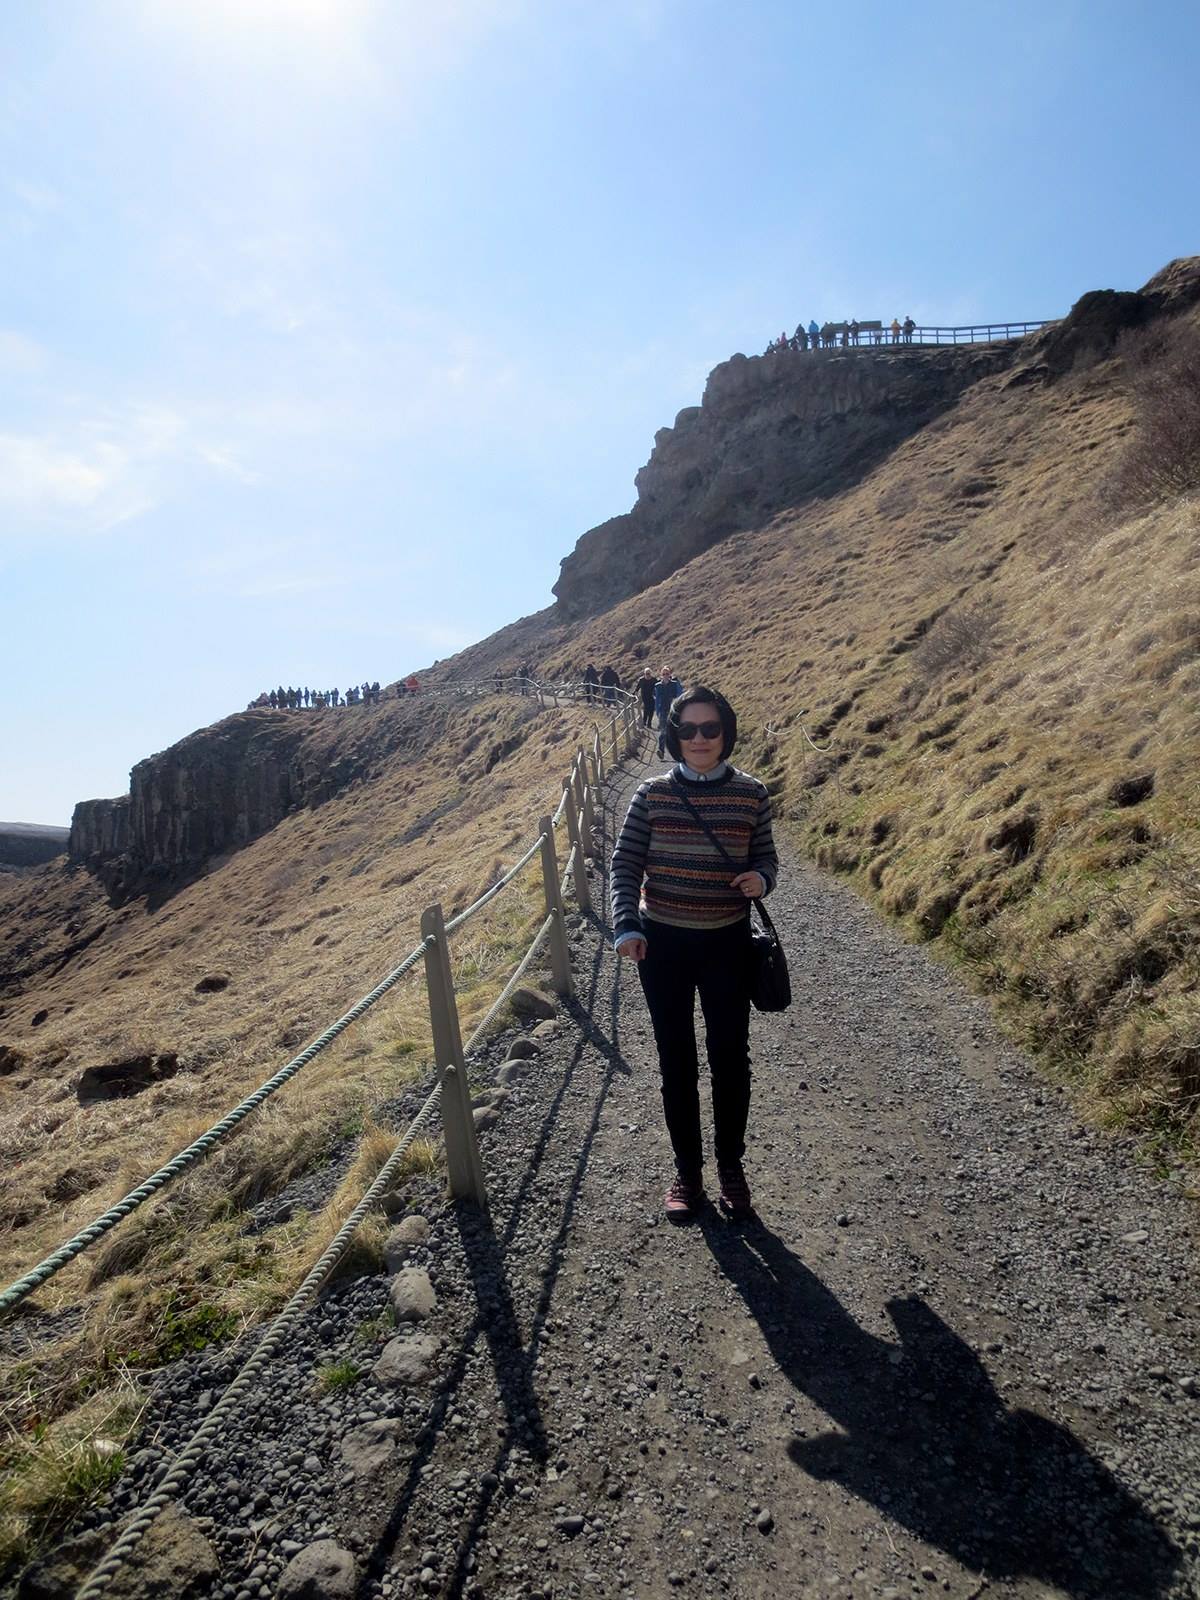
684,917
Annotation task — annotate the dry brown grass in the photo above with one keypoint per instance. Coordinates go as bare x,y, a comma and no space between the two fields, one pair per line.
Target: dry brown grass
993,647
1163,457
302,938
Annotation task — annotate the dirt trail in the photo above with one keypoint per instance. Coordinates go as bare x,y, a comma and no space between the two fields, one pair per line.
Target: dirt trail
956,1353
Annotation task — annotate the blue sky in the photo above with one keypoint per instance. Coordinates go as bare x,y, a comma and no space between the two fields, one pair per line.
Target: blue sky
327,326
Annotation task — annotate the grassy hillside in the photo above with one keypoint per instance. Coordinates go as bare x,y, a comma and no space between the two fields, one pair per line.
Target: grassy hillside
972,682
233,975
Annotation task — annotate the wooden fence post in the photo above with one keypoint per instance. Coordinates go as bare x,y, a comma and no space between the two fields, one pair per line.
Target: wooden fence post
615,751
560,956
579,870
463,1166
598,757
582,806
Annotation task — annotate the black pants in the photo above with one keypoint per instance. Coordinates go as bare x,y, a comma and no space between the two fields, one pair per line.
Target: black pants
678,962
647,713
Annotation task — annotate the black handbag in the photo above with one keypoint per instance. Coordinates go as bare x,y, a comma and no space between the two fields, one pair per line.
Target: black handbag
770,985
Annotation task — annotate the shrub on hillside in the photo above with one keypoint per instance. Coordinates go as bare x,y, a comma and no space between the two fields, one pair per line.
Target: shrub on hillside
1163,459
959,638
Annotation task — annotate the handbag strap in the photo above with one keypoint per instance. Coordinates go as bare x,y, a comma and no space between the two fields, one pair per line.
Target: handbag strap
721,850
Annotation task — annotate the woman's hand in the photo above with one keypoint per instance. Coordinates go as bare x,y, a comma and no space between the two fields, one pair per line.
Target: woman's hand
752,884
632,949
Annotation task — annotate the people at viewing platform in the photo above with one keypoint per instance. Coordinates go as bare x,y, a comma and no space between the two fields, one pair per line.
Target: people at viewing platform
281,699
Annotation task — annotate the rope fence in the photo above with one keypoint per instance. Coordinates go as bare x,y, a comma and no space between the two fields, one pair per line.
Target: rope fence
216,1135
449,1094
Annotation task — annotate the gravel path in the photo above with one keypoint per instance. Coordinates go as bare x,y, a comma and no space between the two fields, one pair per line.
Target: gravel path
955,1353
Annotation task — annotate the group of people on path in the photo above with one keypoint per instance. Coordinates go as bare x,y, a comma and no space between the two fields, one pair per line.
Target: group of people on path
831,335
657,696
602,685
360,694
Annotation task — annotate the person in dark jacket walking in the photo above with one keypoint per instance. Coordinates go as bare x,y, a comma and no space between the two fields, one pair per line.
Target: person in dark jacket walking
646,690
591,681
611,683
665,690
684,918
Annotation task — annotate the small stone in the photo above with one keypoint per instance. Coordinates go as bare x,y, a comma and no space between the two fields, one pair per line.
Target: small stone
406,1361
545,1030
571,1525
322,1572
408,1235
485,1117
1190,1386
413,1297
512,1072
764,1521
366,1449
522,1050
843,1219
532,1003
1138,1236
928,1574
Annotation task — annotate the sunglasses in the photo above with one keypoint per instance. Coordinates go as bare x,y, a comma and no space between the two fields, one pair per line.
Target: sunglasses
704,730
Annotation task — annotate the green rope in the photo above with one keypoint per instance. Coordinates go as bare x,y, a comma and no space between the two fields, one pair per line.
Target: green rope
200,1147
193,1452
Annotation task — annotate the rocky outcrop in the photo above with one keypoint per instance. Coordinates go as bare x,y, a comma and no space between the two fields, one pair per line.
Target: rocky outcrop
225,785
771,431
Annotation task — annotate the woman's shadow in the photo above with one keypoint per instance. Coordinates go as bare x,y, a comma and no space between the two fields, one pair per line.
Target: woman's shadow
922,1433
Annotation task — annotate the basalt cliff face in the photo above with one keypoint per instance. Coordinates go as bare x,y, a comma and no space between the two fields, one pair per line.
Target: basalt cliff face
770,432
225,785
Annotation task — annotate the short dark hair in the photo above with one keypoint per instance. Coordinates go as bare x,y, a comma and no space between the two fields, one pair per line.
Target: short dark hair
700,693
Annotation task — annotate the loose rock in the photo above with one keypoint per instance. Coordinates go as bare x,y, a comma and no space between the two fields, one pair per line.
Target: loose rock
413,1296
322,1572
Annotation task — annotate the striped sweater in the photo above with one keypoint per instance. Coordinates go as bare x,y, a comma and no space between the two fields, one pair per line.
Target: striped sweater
665,867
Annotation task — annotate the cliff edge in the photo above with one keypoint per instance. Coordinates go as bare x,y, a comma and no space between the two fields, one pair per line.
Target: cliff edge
770,432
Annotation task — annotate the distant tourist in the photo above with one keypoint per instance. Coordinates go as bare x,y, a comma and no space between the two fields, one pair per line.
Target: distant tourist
646,690
591,683
909,325
611,683
411,683
665,690
895,331
814,334
854,331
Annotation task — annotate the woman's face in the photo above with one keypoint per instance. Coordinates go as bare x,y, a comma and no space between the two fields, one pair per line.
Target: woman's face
703,752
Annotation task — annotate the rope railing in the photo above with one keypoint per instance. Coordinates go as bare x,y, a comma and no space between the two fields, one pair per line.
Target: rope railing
490,894
498,1003
190,1457
449,1093
201,1147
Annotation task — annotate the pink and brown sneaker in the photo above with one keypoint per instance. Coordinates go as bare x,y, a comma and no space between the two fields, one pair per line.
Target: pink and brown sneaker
684,1198
735,1191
